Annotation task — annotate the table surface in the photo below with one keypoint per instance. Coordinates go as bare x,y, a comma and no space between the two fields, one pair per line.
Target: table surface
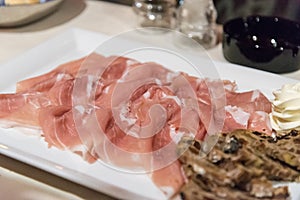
99,16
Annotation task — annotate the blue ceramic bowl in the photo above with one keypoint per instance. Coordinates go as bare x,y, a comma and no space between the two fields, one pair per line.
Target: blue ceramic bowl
263,42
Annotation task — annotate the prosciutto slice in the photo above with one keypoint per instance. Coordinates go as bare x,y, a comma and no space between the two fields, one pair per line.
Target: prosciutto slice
47,80
252,105
131,114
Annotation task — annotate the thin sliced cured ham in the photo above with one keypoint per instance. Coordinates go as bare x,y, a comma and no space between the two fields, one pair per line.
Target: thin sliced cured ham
251,104
131,114
47,80
21,108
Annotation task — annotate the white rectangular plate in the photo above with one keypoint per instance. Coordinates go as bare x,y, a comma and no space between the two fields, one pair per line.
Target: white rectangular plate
33,150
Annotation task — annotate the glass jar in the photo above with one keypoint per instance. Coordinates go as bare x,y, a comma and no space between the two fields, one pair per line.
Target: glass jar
197,19
156,13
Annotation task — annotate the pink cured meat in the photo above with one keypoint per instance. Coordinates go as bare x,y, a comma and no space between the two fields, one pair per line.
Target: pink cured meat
21,108
259,121
47,80
53,88
249,103
60,131
49,101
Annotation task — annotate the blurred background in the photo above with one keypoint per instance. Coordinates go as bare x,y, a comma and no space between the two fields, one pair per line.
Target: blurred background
228,9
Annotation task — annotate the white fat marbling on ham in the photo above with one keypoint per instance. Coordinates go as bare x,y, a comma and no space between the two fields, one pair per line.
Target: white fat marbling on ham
230,86
171,75
146,95
238,114
106,90
124,75
130,62
259,121
255,95
35,104
89,86
262,114
124,115
175,98
158,82
80,109
175,135
60,76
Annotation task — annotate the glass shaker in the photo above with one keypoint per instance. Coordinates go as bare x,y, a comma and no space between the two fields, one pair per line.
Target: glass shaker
197,19
156,13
